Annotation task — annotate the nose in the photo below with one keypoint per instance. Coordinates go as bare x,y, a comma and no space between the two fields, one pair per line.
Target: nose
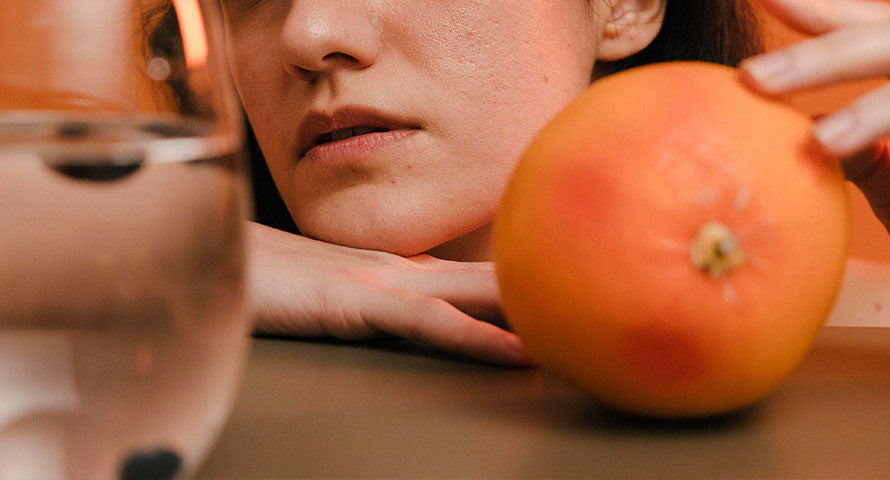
323,36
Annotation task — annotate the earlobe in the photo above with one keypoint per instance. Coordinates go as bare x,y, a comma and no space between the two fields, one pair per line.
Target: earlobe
631,25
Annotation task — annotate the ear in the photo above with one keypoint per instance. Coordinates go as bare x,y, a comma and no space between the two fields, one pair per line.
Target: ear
630,26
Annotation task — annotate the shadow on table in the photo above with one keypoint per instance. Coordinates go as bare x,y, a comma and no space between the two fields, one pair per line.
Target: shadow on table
395,409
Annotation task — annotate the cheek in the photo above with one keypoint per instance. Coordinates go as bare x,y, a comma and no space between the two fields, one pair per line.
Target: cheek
256,67
261,83
505,70
255,80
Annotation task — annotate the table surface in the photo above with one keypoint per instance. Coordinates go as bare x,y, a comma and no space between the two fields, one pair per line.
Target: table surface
396,409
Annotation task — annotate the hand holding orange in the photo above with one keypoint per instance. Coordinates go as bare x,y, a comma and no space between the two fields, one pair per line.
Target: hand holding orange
672,242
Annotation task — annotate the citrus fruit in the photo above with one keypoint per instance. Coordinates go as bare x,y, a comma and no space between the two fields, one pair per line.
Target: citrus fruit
672,242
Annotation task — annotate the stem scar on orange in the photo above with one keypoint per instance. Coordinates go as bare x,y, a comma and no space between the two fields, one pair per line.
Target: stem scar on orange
672,242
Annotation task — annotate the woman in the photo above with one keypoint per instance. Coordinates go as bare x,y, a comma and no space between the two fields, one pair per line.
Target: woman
391,127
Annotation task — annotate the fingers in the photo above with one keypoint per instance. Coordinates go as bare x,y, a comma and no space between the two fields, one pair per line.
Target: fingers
835,57
306,287
474,292
856,127
439,323
469,286
433,263
854,44
816,17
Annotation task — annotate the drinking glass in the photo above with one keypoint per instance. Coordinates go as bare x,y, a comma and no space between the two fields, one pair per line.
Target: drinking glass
123,321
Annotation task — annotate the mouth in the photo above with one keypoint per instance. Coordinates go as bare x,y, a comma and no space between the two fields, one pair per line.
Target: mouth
351,129
345,133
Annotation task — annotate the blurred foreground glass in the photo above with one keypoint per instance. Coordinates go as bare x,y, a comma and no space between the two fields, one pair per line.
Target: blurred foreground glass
123,322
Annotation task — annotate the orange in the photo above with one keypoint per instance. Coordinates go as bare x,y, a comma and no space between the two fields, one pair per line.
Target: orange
672,242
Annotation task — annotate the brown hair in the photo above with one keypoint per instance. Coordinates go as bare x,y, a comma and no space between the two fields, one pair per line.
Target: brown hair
161,38
719,31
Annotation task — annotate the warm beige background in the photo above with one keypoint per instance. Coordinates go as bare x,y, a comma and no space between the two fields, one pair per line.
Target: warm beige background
870,239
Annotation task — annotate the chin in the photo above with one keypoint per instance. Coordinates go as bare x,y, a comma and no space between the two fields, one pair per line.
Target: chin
404,241
404,232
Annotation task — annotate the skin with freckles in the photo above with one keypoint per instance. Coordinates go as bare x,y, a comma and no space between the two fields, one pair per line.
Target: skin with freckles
473,80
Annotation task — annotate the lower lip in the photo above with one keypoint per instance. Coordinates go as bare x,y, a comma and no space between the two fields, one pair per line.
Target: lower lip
354,147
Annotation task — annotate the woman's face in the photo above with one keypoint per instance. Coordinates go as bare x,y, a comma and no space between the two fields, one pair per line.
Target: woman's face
394,124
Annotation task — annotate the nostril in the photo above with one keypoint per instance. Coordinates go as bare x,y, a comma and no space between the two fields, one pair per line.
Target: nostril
339,57
331,61
301,73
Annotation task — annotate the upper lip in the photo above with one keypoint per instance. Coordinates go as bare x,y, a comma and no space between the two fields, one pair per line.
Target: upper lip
316,123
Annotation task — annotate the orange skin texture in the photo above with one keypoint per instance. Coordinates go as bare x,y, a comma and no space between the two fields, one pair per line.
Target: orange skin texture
591,241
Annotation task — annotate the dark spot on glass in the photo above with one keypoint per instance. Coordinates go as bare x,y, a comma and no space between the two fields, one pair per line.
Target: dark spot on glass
160,464
96,173
173,130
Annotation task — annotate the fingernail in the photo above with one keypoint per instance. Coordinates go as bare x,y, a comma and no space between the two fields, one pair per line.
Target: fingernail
771,69
833,128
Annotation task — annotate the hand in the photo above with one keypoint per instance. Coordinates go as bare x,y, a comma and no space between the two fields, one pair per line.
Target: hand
304,287
852,42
